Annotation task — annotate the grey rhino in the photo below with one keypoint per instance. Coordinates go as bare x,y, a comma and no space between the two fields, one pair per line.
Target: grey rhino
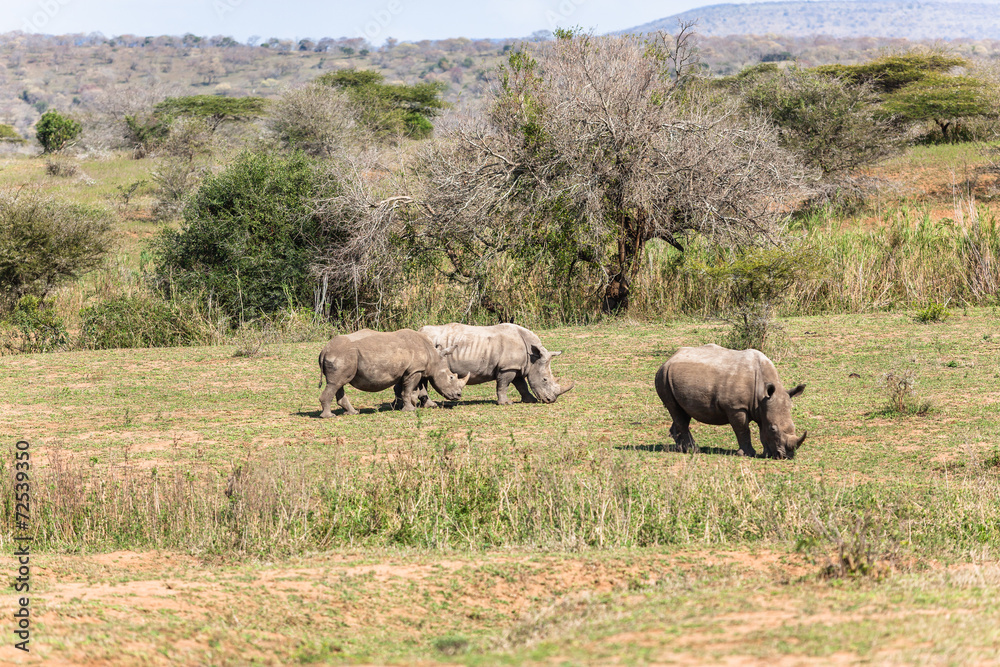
714,385
504,352
373,361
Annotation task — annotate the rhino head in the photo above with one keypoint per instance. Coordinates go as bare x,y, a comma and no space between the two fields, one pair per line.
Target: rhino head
445,382
543,384
777,432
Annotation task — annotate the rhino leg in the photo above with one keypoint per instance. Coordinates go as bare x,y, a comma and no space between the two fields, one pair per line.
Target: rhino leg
741,426
408,391
397,390
522,388
423,398
326,398
680,431
338,372
503,382
344,402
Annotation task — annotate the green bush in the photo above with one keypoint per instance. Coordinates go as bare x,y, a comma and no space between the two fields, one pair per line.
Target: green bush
834,126
144,133
44,242
754,282
33,327
138,321
55,131
248,237
934,311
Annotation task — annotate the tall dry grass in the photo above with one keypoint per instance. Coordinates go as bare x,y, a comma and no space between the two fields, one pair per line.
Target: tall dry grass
904,260
439,494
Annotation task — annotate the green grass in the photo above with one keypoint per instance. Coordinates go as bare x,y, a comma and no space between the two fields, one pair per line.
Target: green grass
599,462
478,534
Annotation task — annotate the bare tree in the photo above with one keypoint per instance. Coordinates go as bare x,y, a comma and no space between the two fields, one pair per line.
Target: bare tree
358,262
587,149
601,143
313,118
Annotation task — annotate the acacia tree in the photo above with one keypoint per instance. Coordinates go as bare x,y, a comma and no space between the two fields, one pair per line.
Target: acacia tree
389,110
942,99
919,86
592,147
213,109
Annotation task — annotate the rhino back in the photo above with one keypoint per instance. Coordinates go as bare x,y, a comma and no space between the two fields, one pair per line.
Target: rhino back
481,352
710,382
383,358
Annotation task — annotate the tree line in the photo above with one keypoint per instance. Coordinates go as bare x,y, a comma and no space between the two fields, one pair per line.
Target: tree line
586,149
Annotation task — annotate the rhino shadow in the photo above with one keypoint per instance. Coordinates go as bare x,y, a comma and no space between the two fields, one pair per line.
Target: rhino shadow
675,448
388,406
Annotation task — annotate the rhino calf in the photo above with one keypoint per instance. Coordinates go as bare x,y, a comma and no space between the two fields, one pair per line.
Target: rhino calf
505,353
714,385
373,361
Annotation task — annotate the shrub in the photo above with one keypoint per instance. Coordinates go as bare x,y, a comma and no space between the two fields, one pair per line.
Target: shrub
33,327
44,242
55,131
138,321
934,311
175,180
862,547
901,390
61,168
145,132
834,126
248,237
755,282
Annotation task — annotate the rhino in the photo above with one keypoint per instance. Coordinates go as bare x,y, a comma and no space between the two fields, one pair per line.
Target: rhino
714,385
507,353
373,361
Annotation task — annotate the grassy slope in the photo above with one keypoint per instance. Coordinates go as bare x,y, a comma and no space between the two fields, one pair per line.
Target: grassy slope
702,600
708,598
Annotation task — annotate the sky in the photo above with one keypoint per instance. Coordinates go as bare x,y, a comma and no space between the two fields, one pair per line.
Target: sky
404,20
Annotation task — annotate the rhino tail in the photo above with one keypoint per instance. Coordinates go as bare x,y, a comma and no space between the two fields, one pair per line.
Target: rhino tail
322,374
662,385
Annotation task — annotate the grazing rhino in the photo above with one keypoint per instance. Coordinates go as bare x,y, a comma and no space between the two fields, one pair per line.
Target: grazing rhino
373,361
504,352
714,385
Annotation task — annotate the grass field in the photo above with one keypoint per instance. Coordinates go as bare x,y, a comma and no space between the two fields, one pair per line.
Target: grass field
570,533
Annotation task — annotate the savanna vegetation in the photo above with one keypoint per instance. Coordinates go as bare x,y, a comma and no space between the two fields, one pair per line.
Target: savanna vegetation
163,297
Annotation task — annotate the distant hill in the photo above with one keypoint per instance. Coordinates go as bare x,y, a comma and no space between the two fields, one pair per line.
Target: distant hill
840,18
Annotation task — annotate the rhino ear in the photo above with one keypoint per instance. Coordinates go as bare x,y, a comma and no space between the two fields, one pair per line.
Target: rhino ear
798,390
769,390
535,352
446,351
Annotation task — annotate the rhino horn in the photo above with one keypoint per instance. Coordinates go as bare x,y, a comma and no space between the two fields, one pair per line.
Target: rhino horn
463,380
566,388
801,440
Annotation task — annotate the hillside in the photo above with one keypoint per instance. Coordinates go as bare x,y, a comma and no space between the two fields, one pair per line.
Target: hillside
85,74
840,18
